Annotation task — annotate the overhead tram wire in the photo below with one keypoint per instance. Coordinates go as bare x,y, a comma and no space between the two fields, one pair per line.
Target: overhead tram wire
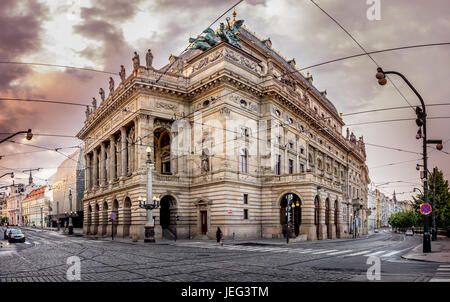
391,148
374,52
43,101
239,2
397,120
390,108
57,65
363,49
395,163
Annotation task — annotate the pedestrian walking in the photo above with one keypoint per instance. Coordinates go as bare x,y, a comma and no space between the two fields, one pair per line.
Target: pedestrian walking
219,236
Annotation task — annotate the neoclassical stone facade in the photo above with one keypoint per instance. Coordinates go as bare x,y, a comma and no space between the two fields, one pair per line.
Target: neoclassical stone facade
232,131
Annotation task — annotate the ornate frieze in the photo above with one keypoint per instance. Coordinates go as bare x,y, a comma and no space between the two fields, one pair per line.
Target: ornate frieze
207,60
167,106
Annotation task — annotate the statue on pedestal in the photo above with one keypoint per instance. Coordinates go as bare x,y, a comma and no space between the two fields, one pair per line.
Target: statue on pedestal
136,62
149,58
111,85
102,94
122,73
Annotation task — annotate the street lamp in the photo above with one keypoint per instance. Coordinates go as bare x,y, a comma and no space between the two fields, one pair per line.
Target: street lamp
153,203
290,205
70,215
28,136
12,174
421,121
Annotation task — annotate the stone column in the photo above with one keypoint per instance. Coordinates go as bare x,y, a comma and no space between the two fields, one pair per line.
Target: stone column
332,226
102,164
87,171
124,151
322,225
103,222
112,159
307,227
95,177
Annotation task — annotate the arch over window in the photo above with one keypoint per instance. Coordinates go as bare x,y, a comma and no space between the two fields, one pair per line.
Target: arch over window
162,143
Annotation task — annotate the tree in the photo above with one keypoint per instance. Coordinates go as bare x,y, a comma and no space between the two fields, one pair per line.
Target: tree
404,219
441,203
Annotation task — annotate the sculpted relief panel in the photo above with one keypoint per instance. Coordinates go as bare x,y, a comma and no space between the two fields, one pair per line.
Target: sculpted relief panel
207,60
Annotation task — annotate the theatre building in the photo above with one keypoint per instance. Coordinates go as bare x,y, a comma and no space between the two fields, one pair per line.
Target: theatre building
234,130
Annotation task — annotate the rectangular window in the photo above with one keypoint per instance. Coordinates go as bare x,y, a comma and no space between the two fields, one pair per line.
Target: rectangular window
245,214
245,132
291,166
245,198
278,165
302,168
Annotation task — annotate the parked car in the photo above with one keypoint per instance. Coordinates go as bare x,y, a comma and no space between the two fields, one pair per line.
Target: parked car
6,234
409,233
16,235
376,231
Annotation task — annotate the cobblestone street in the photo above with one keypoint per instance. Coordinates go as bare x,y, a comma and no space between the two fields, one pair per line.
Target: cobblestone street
44,258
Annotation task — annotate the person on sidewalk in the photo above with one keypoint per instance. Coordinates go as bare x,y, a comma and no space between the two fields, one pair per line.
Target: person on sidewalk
219,235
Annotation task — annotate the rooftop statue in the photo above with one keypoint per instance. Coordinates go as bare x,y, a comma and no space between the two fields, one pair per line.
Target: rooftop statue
94,103
136,61
88,111
102,94
122,73
111,85
149,58
224,34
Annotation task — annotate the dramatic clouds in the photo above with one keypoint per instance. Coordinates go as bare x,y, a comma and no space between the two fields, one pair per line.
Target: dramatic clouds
103,34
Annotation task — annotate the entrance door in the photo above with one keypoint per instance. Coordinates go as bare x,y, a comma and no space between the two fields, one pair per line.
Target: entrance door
204,221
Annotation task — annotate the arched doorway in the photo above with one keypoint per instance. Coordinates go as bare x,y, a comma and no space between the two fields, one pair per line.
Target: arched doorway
327,218
115,210
296,214
126,216
167,214
336,218
316,215
162,151
96,218
89,219
104,218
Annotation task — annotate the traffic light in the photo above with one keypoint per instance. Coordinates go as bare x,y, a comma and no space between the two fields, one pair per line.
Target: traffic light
420,116
290,216
381,77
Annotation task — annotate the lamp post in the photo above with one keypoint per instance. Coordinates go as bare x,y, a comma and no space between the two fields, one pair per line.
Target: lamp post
12,174
290,206
153,203
70,214
421,121
28,136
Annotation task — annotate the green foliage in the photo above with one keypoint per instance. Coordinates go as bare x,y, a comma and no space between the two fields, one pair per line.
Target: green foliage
404,219
441,205
3,220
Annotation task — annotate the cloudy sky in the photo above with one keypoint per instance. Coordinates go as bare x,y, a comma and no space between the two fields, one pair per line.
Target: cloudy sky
103,34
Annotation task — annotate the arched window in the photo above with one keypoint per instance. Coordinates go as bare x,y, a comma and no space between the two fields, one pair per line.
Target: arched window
319,163
244,157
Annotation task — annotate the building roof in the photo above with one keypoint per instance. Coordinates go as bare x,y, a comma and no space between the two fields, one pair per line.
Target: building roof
67,167
36,193
283,61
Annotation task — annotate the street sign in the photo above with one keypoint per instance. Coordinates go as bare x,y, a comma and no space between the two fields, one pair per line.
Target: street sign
112,216
230,211
425,208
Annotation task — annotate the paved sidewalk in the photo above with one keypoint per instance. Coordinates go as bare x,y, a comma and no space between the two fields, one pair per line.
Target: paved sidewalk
440,251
